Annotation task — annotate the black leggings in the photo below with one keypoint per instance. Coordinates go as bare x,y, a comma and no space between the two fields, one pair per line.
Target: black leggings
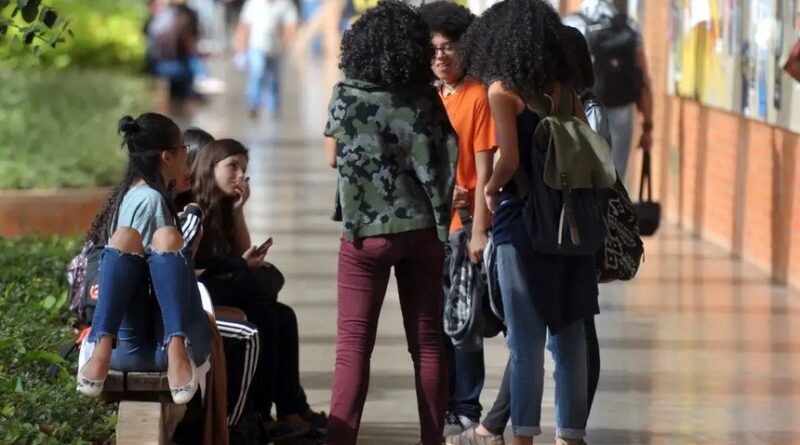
277,378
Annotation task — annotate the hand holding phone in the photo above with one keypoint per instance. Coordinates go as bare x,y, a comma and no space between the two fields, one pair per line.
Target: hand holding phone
264,247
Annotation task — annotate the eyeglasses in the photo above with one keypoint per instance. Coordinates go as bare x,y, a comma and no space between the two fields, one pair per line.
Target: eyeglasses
448,49
182,146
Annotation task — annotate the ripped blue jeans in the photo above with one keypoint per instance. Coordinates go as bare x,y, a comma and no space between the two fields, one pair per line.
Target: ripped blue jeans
143,322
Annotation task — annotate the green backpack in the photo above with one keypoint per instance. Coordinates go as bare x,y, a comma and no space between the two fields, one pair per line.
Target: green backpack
572,170
577,157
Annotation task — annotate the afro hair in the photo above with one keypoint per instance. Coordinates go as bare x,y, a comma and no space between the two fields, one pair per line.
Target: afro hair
580,59
517,43
447,18
389,45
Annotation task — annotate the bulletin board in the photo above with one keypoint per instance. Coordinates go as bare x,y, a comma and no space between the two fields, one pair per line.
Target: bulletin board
726,54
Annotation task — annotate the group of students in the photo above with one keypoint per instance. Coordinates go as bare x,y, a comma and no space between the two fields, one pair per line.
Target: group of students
433,121
173,230
430,131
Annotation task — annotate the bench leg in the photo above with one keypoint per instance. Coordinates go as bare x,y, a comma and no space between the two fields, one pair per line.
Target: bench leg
140,423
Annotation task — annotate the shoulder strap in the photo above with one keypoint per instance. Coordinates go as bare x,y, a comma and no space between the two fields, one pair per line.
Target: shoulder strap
466,221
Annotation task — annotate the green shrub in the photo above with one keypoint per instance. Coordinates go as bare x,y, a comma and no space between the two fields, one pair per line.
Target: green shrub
34,323
108,34
58,128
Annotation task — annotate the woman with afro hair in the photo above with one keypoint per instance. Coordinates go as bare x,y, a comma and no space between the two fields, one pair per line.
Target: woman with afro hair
389,137
515,48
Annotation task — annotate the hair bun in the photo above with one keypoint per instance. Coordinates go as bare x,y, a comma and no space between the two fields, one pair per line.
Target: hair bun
128,125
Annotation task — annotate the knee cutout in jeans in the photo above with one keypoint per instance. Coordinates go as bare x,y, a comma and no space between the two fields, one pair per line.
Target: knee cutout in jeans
167,239
127,240
122,253
176,253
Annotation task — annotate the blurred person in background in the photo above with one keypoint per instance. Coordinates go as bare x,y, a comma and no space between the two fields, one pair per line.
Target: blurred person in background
266,29
172,35
620,66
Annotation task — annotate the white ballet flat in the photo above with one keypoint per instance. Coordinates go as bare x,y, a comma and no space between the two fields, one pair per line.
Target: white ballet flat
183,394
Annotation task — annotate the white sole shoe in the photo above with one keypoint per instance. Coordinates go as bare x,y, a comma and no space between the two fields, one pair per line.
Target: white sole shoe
89,387
183,394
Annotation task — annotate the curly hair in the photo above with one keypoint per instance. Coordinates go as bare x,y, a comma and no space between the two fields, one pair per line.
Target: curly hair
389,45
447,18
580,59
517,43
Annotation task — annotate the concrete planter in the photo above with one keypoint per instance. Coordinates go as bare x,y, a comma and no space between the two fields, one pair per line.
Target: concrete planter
49,212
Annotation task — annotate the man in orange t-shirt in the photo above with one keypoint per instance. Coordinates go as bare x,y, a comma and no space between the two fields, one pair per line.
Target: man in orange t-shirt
467,106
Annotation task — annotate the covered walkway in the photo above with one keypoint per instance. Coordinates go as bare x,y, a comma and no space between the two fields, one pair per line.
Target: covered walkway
698,349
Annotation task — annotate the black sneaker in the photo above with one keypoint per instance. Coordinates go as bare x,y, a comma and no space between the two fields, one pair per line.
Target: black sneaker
247,431
280,431
317,420
310,437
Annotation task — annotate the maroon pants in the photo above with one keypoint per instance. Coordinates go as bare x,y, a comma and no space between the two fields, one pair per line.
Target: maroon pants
364,268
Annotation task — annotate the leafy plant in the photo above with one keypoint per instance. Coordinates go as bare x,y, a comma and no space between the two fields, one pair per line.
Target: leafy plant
58,129
38,23
107,34
34,323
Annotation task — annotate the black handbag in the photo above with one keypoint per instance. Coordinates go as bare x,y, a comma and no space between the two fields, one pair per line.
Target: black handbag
648,212
622,252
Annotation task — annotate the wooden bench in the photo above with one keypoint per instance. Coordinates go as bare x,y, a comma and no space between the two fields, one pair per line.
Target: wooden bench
145,405
146,414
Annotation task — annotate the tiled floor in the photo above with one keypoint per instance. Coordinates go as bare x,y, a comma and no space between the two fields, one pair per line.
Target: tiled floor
698,349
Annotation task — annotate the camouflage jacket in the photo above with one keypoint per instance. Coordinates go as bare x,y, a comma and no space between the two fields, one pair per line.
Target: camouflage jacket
396,155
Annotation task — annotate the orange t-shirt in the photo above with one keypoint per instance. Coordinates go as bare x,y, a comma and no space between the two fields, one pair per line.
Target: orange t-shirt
471,118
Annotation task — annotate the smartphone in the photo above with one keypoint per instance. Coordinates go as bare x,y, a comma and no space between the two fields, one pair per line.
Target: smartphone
262,248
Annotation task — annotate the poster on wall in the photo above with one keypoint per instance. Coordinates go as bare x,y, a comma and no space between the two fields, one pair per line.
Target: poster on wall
727,54
703,34
758,61
787,92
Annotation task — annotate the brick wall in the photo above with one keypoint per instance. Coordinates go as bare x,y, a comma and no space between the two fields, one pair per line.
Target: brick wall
728,179
48,212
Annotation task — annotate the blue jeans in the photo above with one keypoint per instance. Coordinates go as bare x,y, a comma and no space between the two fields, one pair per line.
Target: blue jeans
143,325
198,67
467,374
263,82
180,74
466,368
310,8
620,125
526,337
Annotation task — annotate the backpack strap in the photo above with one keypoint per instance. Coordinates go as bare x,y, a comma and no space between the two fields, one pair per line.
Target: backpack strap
567,215
466,221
